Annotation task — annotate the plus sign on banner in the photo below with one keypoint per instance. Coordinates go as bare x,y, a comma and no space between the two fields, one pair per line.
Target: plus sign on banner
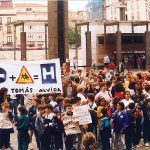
31,76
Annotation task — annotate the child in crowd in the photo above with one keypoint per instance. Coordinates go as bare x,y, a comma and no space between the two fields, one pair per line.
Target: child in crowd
88,141
113,107
120,120
71,126
32,113
59,130
101,103
93,107
138,127
146,123
59,104
39,126
52,98
131,127
5,131
49,128
105,130
77,103
23,127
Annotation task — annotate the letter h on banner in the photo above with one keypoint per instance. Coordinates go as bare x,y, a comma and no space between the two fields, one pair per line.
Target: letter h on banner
48,73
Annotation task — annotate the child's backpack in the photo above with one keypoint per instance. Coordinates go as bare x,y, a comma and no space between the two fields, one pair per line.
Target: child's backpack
105,128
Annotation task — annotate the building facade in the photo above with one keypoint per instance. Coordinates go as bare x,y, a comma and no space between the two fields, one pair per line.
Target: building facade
35,32
127,10
7,14
94,10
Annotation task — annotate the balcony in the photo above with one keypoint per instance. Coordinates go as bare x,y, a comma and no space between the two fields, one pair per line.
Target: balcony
9,43
9,32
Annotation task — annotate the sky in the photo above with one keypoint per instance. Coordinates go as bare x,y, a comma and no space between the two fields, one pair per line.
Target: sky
73,5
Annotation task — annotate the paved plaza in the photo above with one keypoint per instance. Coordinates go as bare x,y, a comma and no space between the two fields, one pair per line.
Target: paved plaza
14,143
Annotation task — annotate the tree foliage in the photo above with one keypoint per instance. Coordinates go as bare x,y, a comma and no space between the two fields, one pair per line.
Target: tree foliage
72,36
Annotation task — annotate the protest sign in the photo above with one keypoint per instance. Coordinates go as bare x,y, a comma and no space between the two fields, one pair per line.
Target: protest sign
71,124
30,77
83,114
5,123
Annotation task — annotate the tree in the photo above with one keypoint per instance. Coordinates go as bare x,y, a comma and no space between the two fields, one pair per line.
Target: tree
72,36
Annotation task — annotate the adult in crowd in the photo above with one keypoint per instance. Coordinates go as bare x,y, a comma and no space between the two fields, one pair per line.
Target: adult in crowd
121,67
3,95
69,88
111,67
103,93
75,64
106,60
127,100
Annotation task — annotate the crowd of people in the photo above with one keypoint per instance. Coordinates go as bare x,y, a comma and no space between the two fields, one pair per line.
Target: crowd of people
118,102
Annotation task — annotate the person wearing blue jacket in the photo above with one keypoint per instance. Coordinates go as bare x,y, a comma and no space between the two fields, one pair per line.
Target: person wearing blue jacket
39,126
121,123
50,125
145,106
23,127
131,127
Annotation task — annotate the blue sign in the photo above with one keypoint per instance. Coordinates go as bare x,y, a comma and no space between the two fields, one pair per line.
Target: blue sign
48,73
3,75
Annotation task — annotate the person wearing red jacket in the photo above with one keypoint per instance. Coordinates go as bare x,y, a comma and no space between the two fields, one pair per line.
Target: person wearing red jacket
111,67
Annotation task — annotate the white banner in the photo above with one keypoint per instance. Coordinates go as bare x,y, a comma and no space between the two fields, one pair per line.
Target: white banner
27,77
83,114
5,123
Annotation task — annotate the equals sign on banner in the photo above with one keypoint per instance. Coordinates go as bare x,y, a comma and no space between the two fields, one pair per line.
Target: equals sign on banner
35,77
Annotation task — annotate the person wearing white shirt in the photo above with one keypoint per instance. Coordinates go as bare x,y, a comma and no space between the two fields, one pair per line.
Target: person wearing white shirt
80,90
127,99
106,60
103,93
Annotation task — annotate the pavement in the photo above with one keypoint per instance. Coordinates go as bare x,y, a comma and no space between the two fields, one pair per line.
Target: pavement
14,143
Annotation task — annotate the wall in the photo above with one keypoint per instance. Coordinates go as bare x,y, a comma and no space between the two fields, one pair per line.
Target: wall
34,55
31,55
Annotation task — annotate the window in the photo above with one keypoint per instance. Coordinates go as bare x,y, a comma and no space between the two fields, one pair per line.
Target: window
0,20
9,39
1,28
9,3
30,27
19,9
8,19
8,29
28,9
132,5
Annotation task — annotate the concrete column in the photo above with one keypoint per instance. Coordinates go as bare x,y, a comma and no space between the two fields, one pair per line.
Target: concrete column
23,46
14,42
147,49
66,41
46,55
105,46
118,46
58,30
88,49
